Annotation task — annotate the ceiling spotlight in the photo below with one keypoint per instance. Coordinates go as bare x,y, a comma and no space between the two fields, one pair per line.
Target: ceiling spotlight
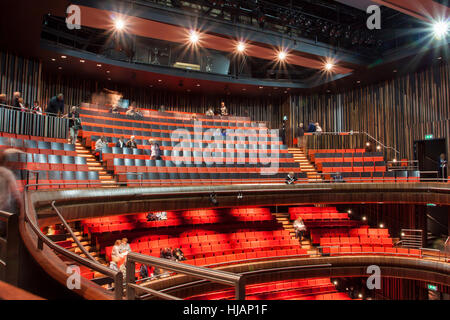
99,65
282,55
108,71
368,143
194,37
329,66
403,234
53,59
82,61
59,68
119,24
198,84
360,295
349,211
364,218
240,47
335,282
159,80
378,147
63,57
381,225
394,160
440,29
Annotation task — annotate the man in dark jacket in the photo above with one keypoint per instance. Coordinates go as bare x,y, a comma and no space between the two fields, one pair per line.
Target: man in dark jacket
312,127
56,105
300,136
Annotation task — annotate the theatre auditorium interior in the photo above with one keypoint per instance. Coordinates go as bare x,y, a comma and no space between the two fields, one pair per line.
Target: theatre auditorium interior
224,150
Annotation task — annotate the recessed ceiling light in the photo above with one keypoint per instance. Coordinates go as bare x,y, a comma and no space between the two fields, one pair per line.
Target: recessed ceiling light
194,37
63,57
188,90
198,84
240,47
395,70
53,59
260,87
243,89
439,58
60,68
99,65
359,81
109,79
82,61
159,80
108,71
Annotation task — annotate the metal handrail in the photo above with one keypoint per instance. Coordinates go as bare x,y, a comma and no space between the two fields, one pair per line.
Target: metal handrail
222,277
43,239
353,133
74,237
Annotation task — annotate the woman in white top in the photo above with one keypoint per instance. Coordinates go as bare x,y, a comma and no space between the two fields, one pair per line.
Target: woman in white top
318,128
115,254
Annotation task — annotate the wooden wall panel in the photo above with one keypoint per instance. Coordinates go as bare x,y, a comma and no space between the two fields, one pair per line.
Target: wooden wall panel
396,112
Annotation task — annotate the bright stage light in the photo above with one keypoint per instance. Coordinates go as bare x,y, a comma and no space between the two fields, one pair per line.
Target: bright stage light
440,29
240,47
282,55
194,37
329,66
119,24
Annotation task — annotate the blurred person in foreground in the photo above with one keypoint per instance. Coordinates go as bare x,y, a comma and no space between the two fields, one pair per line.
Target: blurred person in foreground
9,194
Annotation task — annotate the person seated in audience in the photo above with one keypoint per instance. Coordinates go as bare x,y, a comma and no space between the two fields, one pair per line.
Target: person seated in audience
166,253
318,128
290,179
23,107
338,177
299,228
162,108
131,112
155,150
194,117
36,108
114,109
16,98
74,124
55,106
125,247
209,112
223,109
152,217
178,255
99,146
311,127
3,102
143,271
139,114
132,143
121,143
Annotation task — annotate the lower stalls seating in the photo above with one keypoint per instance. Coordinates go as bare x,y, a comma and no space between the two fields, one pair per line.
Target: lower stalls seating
387,176
367,250
301,289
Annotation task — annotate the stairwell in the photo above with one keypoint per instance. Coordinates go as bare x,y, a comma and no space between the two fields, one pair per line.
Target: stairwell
107,180
283,219
306,166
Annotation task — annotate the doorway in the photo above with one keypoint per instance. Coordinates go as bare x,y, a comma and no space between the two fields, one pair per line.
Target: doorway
427,152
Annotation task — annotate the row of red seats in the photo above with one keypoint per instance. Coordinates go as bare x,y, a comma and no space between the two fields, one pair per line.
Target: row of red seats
313,210
319,216
27,137
345,241
305,284
401,252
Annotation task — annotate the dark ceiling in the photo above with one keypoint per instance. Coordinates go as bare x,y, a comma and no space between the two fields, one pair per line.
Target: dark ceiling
22,33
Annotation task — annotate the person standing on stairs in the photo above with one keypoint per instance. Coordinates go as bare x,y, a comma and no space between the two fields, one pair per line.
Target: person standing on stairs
301,137
74,124
299,228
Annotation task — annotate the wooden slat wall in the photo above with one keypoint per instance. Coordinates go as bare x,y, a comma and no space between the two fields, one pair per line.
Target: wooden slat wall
80,90
20,74
396,112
